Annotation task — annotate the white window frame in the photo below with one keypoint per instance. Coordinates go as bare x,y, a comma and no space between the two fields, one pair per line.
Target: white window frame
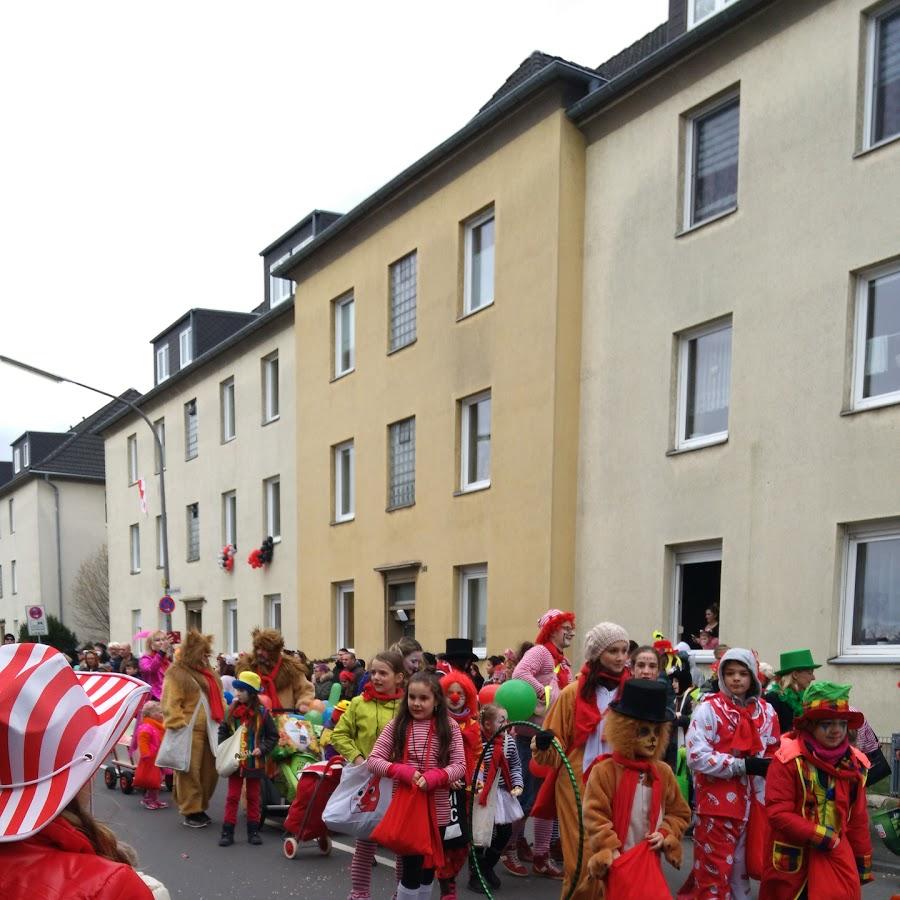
14,580
271,520
343,635
873,25
132,459
26,455
185,348
337,451
17,461
137,621
688,555
159,426
187,429
229,518
271,602
854,535
470,226
12,515
271,388
159,544
690,132
280,289
859,339
719,6
467,574
464,425
337,307
134,548
230,625
162,364
684,339
227,409
188,519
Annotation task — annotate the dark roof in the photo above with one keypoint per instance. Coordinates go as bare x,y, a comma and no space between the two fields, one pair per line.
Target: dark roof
6,472
198,309
326,214
632,55
258,323
77,454
529,66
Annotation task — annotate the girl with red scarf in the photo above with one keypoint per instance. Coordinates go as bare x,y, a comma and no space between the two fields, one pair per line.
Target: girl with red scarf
819,847
730,741
354,737
577,720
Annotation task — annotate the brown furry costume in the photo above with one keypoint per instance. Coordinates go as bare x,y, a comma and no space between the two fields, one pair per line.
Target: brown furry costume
293,687
621,734
181,694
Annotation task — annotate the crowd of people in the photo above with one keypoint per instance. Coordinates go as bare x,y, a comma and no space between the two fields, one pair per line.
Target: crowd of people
617,764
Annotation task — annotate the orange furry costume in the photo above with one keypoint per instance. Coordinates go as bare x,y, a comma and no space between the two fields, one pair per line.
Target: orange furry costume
283,676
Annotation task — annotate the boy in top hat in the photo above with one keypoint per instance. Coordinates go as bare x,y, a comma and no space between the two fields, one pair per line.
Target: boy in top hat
795,674
819,847
633,808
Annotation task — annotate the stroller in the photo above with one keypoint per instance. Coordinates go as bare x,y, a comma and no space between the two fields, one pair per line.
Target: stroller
317,782
119,767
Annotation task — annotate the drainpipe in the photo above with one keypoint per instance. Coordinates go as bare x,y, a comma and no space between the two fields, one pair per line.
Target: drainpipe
59,592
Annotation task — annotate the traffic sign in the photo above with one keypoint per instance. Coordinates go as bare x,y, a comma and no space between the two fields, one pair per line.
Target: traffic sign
37,621
167,605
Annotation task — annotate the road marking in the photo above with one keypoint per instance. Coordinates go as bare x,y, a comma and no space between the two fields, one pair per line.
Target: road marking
348,849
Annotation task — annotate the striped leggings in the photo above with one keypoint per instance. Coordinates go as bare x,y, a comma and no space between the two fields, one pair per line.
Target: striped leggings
361,870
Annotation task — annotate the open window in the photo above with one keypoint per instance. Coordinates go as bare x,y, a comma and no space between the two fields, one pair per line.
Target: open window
696,586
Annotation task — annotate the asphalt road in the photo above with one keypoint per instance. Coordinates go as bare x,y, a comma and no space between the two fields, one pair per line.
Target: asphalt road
192,865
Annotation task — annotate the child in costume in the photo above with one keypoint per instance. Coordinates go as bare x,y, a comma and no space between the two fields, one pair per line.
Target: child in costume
501,767
633,808
730,741
462,707
354,737
819,845
148,775
422,747
261,738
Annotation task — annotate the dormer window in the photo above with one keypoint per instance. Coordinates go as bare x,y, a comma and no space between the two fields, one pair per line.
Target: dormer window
17,460
701,10
26,454
186,347
162,364
281,289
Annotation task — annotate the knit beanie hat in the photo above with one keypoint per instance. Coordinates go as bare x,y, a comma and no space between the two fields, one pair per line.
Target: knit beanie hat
602,636
550,621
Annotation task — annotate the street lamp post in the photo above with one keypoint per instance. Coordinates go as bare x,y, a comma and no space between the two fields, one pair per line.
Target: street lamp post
164,537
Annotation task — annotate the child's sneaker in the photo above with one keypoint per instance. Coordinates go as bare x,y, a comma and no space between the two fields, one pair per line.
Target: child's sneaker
523,850
545,867
151,804
512,865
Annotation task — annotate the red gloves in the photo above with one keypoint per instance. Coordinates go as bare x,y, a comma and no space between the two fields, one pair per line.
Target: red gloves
435,778
402,772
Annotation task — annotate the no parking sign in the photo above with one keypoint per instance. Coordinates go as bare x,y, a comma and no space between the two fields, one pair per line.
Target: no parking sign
37,621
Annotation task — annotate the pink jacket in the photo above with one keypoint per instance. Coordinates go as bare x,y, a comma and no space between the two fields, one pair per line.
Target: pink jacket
153,668
536,668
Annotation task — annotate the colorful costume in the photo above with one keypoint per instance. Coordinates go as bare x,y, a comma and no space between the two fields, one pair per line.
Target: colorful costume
283,676
147,775
819,846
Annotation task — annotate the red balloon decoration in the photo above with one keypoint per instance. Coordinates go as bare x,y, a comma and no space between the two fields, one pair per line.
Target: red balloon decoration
486,694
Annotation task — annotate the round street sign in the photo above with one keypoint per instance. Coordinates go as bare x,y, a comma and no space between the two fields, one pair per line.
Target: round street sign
36,612
167,605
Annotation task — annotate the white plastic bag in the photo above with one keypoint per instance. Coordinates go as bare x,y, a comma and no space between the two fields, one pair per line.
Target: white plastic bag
228,753
358,803
175,748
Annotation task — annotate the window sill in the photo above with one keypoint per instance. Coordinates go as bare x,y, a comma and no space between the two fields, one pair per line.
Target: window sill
193,560
678,451
341,375
399,506
276,539
343,521
698,225
850,659
402,347
884,142
228,440
474,312
472,489
189,458
270,421
889,400
135,572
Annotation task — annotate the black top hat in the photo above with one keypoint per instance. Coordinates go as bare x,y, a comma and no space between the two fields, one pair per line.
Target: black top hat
644,700
459,648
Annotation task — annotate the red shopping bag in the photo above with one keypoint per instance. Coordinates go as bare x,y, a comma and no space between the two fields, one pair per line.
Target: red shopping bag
410,807
833,874
758,838
637,875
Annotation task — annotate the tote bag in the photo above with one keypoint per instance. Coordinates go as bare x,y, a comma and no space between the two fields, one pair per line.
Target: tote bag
757,839
359,802
483,818
175,748
411,807
637,875
457,832
228,753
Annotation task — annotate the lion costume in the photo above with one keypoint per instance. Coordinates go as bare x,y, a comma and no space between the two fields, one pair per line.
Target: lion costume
283,676
632,797
189,677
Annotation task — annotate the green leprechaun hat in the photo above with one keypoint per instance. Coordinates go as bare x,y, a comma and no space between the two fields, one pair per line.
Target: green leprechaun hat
795,661
827,700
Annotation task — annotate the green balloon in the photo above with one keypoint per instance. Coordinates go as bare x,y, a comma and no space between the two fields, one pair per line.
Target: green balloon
517,697
334,695
314,716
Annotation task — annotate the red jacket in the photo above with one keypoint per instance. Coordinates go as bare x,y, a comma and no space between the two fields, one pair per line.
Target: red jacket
59,862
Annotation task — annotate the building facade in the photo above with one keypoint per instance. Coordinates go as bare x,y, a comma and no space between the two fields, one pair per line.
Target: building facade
437,386
740,380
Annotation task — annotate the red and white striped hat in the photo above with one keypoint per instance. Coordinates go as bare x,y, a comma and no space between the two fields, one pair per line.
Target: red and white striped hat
56,727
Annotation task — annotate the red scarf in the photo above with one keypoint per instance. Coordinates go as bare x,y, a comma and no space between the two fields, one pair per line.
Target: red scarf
213,695
587,716
498,763
838,763
746,737
369,693
624,797
268,684
560,665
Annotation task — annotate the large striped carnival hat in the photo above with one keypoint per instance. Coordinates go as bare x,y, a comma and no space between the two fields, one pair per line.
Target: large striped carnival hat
56,728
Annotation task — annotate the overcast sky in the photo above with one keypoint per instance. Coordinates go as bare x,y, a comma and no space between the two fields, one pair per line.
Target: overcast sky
150,151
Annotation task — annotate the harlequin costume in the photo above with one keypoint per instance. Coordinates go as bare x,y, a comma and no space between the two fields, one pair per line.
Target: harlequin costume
725,732
283,676
578,722
631,795
463,709
819,846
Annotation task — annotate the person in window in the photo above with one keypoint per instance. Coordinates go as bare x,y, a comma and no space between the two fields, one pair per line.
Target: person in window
708,636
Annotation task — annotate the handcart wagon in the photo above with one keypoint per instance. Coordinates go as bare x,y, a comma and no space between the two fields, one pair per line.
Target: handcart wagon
316,784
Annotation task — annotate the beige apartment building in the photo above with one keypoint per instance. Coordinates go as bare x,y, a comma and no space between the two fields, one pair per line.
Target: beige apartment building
740,371
437,334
